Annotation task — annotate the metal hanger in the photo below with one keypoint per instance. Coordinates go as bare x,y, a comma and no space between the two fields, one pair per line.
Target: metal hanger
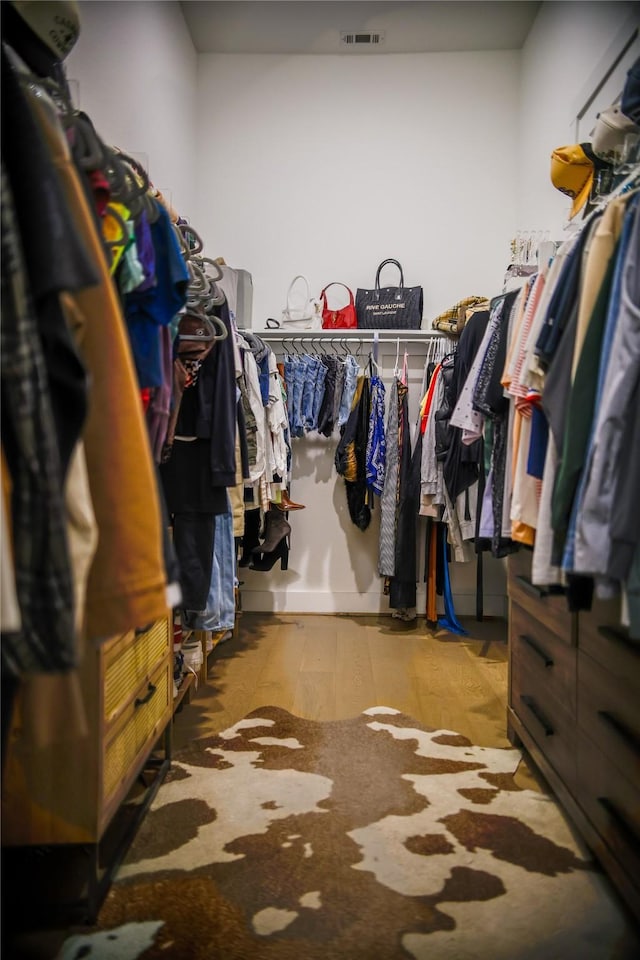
213,323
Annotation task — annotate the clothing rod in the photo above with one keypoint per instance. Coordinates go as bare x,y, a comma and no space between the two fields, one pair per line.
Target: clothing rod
425,338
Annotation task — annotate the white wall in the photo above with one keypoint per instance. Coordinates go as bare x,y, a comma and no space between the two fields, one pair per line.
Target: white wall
137,71
565,44
325,165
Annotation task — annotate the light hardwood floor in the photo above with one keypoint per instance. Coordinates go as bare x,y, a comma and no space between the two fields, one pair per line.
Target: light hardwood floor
333,667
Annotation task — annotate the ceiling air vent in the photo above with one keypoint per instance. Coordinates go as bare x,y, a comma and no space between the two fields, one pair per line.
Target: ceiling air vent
361,39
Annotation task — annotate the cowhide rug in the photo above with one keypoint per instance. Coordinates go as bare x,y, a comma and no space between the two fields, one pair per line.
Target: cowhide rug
365,839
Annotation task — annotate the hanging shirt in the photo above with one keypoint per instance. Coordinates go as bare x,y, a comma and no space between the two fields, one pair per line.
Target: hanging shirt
376,443
156,306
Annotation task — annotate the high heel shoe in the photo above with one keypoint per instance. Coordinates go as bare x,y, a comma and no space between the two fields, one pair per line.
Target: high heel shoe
276,529
266,561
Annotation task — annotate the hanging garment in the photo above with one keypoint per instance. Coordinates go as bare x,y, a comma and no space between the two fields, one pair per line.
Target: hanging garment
326,414
449,621
402,587
460,461
387,554
254,414
41,557
318,393
54,255
127,581
431,559
190,355
278,449
532,374
625,516
593,538
564,299
261,352
431,471
156,306
579,419
464,416
376,455
350,457
159,408
490,400
10,619
350,379
219,612
339,387
608,339
599,250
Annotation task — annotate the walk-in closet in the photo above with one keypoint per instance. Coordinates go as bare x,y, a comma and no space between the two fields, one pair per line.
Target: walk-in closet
320,372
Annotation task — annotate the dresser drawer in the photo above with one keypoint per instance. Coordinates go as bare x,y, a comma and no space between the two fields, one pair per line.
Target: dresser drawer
139,726
549,723
549,608
129,662
548,663
604,639
609,713
612,805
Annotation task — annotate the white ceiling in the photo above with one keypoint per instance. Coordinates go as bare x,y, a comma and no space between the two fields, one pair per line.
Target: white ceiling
315,26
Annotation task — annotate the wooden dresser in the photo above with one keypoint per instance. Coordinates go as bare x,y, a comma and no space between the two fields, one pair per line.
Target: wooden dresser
574,703
68,794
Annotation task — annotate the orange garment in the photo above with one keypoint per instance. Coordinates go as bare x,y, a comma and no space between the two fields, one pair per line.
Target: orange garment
127,581
427,400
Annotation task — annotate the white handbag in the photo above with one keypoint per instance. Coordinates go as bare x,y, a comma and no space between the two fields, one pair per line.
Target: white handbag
301,312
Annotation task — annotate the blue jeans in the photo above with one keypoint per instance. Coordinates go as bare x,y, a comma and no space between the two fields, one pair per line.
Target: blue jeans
310,367
263,373
350,380
220,613
289,377
299,373
318,395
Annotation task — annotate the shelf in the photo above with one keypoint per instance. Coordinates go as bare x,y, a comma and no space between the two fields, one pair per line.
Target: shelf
365,336
183,689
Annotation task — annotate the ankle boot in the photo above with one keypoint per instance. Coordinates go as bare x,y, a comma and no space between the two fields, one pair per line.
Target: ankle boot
251,538
276,529
266,561
286,503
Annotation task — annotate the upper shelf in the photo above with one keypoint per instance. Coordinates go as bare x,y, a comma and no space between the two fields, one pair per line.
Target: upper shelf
279,334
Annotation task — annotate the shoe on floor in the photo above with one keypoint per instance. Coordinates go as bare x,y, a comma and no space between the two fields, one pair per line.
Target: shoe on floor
220,636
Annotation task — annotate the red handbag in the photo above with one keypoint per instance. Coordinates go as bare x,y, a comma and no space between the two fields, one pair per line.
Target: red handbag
343,319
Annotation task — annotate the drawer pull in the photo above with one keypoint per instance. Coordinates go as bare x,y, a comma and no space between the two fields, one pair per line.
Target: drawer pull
629,736
535,710
530,588
140,701
622,824
548,662
610,633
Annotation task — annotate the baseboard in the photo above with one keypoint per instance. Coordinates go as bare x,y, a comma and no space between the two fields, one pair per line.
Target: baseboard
309,601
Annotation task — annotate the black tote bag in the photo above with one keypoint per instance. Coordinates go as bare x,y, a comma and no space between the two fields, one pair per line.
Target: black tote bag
389,308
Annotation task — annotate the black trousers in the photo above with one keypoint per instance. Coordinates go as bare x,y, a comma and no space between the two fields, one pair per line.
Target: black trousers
193,540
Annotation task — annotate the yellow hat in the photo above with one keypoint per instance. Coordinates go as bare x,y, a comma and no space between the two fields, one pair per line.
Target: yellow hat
572,174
